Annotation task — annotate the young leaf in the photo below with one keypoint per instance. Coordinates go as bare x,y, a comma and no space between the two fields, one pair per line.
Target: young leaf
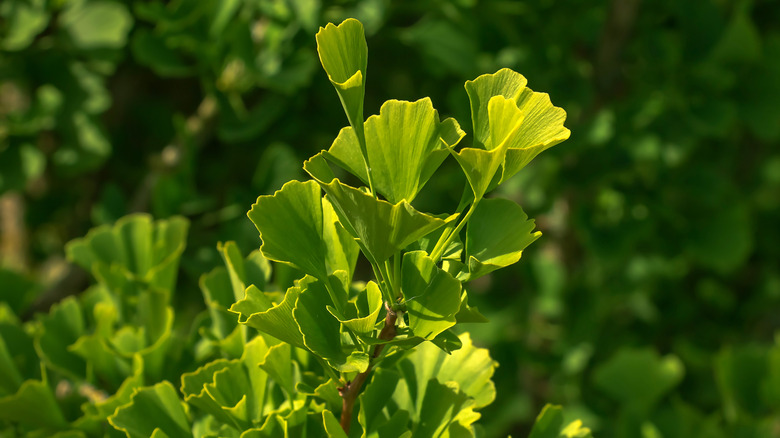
344,56
57,331
549,424
296,229
321,331
360,316
542,126
638,378
496,236
433,295
405,146
151,408
480,165
381,227
372,414
33,404
256,310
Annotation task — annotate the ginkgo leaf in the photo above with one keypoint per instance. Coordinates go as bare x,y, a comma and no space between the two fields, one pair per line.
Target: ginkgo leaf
321,330
542,125
497,233
373,415
297,229
470,367
143,249
381,227
504,120
332,426
550,424
405,144
58,330
344,56
432,295
150,408
361,315
255,269
33,404
258,311
278,363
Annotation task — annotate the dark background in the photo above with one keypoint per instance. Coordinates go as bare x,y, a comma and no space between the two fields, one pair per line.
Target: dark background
648,308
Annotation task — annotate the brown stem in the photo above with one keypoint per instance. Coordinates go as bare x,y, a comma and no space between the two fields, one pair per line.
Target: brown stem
350,391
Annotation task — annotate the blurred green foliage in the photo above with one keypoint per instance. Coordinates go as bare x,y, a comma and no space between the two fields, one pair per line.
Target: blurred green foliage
649,306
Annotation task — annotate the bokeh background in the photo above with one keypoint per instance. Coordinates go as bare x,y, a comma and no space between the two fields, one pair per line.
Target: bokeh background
650,306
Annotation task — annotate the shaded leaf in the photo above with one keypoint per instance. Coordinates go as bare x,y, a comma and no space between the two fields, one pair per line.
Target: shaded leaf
432,296
150,408
638,378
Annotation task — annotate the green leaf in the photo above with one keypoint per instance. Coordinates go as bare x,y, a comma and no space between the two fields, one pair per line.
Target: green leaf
150,408
638,378
297,228
33,404
321,331
432,296
542,125
344,56
278,363
255,269
404,144
360,316
471,368
145,250
381,227
372,400
10,378
549,424
96,350
194,389
480,165
97,24
58,330
25,21
256,310
496,235
332,426
468,314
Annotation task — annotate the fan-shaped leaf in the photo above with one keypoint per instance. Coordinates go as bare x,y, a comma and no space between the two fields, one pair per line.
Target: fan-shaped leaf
432,295
381,227
150,408
404,144
297,229
497,233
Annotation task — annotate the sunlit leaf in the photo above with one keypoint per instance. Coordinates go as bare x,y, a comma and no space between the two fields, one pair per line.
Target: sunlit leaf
361,315
404,144
381,227
344,56
258,311
297,228
542,125
504,120
496,235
